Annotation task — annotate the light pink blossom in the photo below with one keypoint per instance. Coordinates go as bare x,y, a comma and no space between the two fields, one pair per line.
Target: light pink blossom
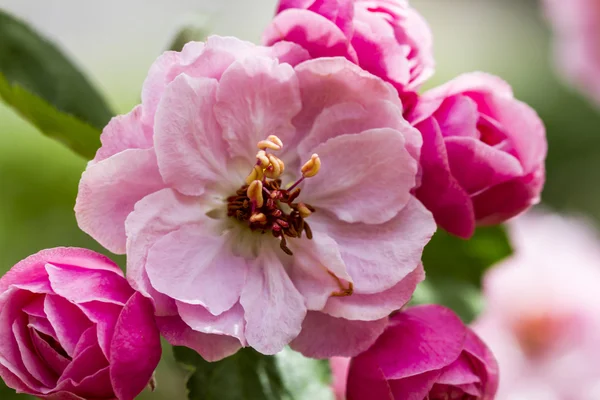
542,311
222,246
71,328
483,153
576,26
388,38
425,353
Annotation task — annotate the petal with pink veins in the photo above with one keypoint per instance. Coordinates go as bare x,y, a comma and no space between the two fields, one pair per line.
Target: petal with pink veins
108,191
256,98
197,267
324,336
188,141
273,307
370,186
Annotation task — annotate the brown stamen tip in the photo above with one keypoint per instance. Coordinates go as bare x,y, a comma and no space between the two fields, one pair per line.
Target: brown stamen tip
283,246
343,292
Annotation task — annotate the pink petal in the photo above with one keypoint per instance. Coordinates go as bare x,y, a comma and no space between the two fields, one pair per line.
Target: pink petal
156,82
339,374
324,336
377,257
105,316
372,186
42,325
230,322
314,262
188,140
153,217
197,267
96,385
460,372
458,116
273,307
88,360
486,364
285,52
369,307
438,331
80,285
108,191
256,98
415,387
477,166
68,321
13,381
315,33
366,381
135,349
124,132
343,82
353,117
33,363
56,361
439,191
210,347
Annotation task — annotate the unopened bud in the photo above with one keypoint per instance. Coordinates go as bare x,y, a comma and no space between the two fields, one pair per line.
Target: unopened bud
311,167
254,193
255,175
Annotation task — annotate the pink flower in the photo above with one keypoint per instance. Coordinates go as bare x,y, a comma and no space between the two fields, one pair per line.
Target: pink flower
388,38
71,328
483,153
231,254
425,353
576,26
542,311
339,375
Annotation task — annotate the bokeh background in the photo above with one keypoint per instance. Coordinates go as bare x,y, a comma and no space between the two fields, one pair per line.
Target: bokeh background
116,41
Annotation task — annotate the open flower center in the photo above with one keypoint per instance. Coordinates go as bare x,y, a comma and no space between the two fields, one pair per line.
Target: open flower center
265,205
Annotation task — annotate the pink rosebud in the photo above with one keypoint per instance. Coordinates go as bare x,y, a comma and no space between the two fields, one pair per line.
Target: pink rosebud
576,26
483,153
257,211
72,328
425,353
542,314
388,38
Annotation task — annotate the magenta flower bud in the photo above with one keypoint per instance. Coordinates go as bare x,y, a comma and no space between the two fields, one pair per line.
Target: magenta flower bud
425,353
72,328
483,153
388,38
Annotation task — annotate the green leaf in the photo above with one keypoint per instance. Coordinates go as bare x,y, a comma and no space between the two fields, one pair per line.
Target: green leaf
454,268
37,65
249,375
197,30
75,134
42,85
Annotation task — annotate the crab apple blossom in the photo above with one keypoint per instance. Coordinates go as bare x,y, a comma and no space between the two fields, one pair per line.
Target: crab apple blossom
576,25
541,317
388,38
263,199
71,328
483,153
425,353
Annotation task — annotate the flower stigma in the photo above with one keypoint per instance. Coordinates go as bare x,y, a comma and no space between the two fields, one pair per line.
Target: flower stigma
262,202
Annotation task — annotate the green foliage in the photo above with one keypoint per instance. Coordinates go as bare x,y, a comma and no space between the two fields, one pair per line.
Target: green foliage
254,376
46,89
454,269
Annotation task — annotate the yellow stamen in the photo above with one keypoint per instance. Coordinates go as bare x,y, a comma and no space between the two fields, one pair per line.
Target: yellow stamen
254,193
275,168
255,175
260,217
311,167
303,210
262,157
272,142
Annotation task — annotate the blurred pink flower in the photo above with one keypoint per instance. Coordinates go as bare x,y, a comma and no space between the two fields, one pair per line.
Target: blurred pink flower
425,353
339,374
483,153
542,316
171,185
576,26
388,38
72,328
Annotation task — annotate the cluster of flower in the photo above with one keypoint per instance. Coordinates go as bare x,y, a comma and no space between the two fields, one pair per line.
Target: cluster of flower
280,195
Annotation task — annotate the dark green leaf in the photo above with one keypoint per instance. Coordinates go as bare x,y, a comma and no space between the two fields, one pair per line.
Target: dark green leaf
38,66
198,31
248,375
454,268
75,134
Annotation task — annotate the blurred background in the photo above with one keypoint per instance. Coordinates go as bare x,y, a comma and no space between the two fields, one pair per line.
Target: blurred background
116,41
